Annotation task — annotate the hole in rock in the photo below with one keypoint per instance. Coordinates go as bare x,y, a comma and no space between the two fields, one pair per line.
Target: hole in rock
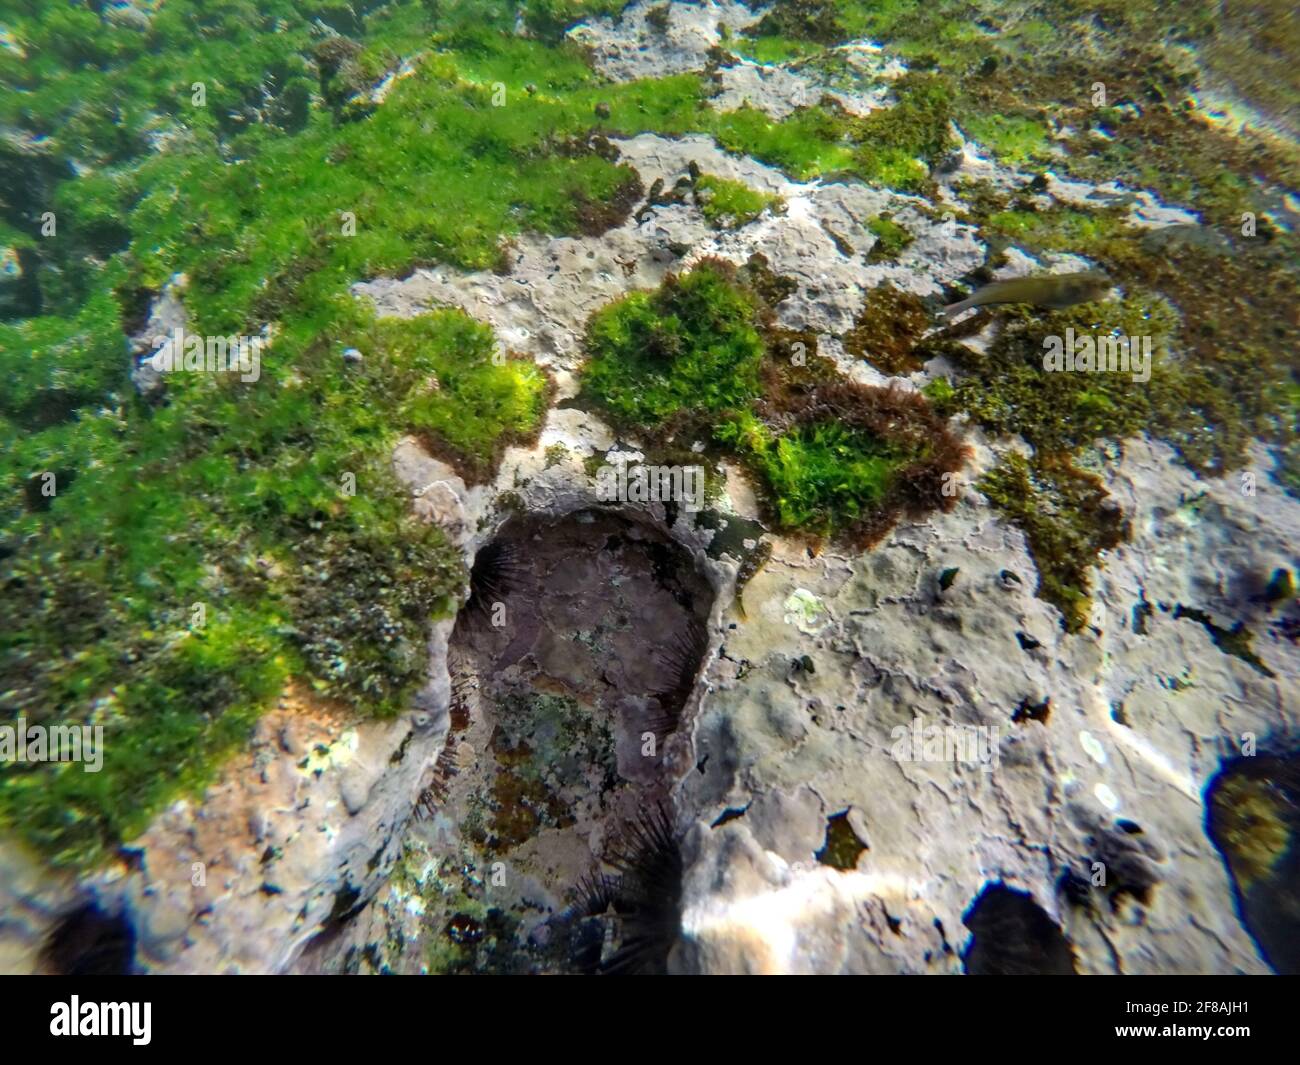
571,665
1031,711
89,942
843,847
1252,815
731,813
346,908
1011,935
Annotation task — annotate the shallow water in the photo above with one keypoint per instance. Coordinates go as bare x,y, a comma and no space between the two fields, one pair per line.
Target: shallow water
304,306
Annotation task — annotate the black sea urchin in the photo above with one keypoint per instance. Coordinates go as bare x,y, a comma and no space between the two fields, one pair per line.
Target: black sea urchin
496,572
678,662
643,901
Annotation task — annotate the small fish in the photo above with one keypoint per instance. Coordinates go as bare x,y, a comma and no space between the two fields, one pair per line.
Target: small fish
1046,290
751,565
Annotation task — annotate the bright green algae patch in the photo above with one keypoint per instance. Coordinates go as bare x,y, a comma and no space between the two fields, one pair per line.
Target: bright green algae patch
891,238
824,476
268,506
805,144
689,350
450,385
701,355
772,49
1016,140
730,204
894,147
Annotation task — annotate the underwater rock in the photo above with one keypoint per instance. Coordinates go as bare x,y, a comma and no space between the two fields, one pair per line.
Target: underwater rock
166,316
887,761
277,840
557,283
650,39
32,900
888,656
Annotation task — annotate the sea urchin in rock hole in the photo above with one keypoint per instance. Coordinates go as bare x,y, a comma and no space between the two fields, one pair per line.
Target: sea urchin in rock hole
645,897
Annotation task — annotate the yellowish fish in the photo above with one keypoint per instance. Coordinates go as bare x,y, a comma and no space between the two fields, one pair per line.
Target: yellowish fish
1046,290
751,565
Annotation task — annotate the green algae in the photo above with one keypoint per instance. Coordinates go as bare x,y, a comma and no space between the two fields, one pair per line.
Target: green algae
823,476
319,572
891,238
807,20
689,350
1228,374
1007,389
897,146
939,391
58,364
453,388
731,204
1009,72
772,49
245,195
1055,229
808,143
837,459
1013,139
702,354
